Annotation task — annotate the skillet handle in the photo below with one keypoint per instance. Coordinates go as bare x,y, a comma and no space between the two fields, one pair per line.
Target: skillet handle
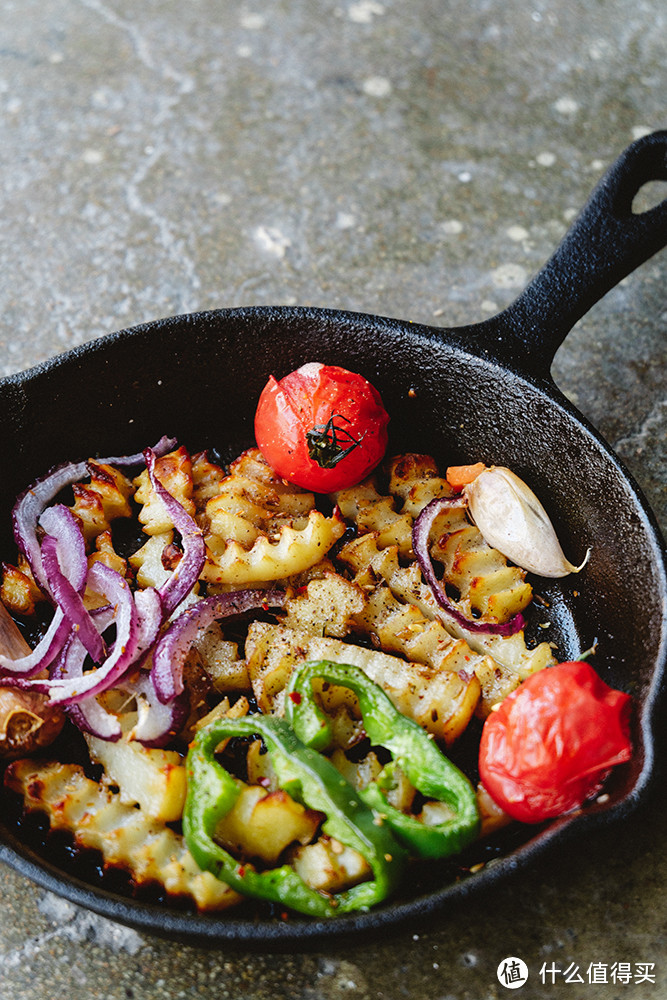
605,243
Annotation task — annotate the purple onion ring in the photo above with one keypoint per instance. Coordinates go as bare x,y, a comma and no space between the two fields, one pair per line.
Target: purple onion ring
421,530
172,649
70,602
186,574
31,502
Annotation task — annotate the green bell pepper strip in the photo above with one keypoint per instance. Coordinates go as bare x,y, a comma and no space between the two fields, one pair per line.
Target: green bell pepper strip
311,779
412,749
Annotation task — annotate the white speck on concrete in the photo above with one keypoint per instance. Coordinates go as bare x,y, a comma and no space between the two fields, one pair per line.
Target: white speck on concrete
92,156
452,227
509,276
343,976
488,307
252,21
99,98
566,106
345,220
222,199
517,234
599,49
546,159
272,241
639,131
364,11
376,86
465,177
243,51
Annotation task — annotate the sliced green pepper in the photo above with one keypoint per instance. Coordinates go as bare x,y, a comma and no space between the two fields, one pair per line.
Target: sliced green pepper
412,749
310,778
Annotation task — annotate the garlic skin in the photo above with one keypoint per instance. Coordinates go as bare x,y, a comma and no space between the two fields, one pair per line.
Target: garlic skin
512,520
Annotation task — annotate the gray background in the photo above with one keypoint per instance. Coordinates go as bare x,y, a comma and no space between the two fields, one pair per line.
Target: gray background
415,159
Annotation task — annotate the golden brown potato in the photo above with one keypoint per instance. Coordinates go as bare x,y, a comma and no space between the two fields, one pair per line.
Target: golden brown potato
18,590
127,838
262,824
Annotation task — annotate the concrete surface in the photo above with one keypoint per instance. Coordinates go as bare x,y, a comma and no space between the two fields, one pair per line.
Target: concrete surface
415,159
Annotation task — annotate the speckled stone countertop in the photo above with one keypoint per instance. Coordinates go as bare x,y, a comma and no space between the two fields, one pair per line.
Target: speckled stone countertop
416,159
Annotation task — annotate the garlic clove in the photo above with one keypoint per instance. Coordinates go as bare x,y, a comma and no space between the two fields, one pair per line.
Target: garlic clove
512,520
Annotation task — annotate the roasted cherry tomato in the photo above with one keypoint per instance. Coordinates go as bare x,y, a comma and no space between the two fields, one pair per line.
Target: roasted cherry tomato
321,427
551,743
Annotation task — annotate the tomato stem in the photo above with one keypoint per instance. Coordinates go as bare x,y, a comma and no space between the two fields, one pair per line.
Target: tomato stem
328,444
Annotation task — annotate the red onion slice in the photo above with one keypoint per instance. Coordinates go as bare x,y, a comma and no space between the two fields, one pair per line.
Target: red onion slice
44,653
69,690
157,723
172,649
186,574
62,524
421,530
31,502
70,602
53,648
71,568
164,445
88,715
148,605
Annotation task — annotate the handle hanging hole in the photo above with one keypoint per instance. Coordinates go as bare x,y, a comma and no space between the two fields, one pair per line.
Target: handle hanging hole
649,196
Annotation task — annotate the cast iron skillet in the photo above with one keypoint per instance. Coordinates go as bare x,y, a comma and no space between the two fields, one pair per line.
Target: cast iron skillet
481,392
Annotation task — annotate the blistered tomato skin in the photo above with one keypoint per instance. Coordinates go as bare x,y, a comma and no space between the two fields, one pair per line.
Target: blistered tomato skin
551,743
321,427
